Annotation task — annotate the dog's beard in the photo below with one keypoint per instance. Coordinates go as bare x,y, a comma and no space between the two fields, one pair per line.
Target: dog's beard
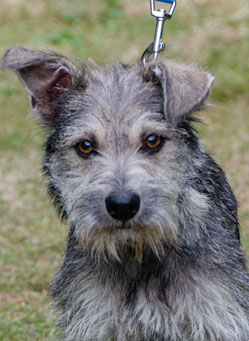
125,242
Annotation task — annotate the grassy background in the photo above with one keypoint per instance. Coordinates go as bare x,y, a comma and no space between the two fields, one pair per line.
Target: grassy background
215,33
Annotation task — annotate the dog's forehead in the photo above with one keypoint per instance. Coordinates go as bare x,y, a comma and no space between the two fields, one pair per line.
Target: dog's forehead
119,92
116,102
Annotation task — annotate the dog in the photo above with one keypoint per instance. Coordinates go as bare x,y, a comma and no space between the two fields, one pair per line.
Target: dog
153,251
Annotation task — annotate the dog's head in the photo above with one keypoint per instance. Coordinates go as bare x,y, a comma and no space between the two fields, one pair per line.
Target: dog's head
119,147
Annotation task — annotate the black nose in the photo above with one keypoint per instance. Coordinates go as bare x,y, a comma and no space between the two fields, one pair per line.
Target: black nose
122,206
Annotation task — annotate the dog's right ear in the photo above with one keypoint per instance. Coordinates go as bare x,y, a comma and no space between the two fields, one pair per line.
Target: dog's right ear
184,88
45,76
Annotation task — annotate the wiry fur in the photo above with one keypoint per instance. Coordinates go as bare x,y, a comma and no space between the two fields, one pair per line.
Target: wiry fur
174,272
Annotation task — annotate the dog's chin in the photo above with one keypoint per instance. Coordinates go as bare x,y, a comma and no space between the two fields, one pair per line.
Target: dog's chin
122,240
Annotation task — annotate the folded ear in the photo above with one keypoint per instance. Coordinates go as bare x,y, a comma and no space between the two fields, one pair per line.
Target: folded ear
44,75
185,88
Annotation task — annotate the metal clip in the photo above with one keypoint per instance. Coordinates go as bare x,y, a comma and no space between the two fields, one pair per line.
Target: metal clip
158,13
161,15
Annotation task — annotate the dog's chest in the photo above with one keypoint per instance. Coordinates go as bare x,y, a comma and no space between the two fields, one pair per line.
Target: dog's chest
108,312
105,312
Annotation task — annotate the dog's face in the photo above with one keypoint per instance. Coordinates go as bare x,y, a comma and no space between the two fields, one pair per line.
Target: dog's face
118,150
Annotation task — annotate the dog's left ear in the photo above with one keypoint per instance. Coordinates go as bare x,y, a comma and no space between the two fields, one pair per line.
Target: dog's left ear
185,88
45,76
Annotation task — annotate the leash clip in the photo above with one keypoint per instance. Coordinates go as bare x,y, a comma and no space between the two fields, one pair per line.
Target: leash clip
161,15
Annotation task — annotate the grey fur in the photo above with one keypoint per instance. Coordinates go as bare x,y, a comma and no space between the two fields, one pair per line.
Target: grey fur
174,272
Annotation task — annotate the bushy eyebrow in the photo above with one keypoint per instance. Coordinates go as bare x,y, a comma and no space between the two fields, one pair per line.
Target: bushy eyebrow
153,117
89,127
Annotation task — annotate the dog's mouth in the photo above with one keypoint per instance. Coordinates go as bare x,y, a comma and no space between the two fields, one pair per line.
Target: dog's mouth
112,239
125,226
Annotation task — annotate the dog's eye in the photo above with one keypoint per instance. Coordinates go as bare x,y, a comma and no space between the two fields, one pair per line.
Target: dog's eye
84,148
153,142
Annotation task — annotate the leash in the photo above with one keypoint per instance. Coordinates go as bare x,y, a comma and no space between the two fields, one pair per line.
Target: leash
161,15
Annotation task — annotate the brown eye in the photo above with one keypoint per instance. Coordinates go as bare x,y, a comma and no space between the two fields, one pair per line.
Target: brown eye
153,142
84,148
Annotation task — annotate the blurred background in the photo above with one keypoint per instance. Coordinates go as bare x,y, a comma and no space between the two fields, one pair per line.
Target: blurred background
213,33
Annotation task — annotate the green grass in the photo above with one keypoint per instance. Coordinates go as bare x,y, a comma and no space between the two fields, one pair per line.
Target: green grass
214,34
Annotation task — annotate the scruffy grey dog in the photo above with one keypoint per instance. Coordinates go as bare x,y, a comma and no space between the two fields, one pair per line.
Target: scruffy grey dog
153,251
